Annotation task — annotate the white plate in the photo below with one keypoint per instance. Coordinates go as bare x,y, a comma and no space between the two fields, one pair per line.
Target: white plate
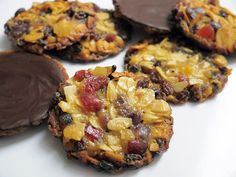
203,144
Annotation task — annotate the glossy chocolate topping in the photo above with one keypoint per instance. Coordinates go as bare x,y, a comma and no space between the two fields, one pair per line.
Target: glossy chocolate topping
27,84
151,13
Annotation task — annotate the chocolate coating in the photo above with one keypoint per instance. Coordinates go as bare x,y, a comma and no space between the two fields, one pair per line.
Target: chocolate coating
153,14
27,82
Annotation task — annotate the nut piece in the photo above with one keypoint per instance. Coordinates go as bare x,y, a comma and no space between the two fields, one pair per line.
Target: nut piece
119,123
74,131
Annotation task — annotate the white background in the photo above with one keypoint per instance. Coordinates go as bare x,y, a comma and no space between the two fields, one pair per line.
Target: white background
203,144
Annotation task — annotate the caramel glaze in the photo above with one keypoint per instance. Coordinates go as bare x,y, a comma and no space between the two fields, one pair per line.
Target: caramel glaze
27,84
151,13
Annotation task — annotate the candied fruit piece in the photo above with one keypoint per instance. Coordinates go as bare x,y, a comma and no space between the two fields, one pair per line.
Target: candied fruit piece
80,75
90,102
94,83
92,133
206,32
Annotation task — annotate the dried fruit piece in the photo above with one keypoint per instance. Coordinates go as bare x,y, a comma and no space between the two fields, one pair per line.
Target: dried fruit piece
90,102
206,32
92,133
94,83
136,147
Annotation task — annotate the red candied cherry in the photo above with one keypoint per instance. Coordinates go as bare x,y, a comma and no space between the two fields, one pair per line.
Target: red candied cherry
206,32
94,83
92,133
80,75
110,38
90,102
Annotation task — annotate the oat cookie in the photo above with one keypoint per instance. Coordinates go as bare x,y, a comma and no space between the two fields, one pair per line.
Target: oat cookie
108,121
175,72
213,27
50,25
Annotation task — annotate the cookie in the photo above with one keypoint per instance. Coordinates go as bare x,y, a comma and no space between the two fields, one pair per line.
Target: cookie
175,72
213,27
152,15
108,121
50,25
107,38
213,2
28,83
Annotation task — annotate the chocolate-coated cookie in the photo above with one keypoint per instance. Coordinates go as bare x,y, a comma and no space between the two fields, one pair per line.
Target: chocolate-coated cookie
28,83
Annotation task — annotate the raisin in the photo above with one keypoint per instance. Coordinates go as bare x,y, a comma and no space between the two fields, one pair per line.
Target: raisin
216,25
192,13
65,119
57,97
143,83
216,88
200,10
136,117
80,146
92,133
167,88
195,93
182,96
223,14
136,147
132,157
142,131
21,28
160,142
81,15
107,166
7,29
46,11
134,68
19,11
224,70
157,63
123,108
159,94
155,77
90,102
70,13
48,31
